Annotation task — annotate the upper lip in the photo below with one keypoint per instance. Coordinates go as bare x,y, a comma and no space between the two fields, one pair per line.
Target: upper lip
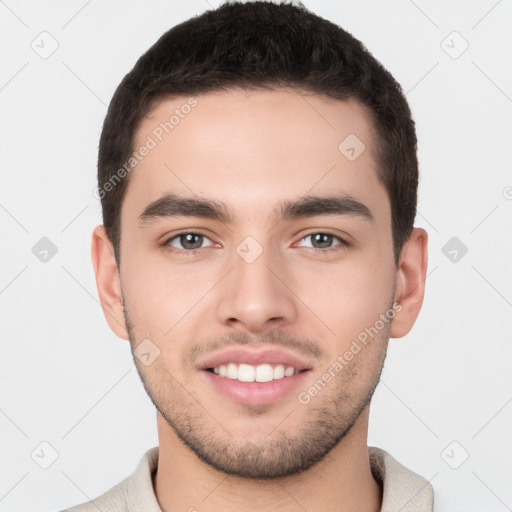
240,355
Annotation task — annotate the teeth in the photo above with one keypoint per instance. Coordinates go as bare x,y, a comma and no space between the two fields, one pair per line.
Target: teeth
279,371
245,372
231,371
289,371
249,373
264,373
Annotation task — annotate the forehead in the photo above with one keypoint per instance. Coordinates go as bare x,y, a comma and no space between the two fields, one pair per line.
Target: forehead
254,149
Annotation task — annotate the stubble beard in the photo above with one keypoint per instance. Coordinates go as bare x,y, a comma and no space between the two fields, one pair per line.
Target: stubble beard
329,419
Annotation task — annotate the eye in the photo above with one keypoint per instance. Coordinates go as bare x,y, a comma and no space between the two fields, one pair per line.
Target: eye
186,242
190,242
323,242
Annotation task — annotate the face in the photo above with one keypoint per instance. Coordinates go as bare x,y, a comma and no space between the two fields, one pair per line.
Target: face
256,252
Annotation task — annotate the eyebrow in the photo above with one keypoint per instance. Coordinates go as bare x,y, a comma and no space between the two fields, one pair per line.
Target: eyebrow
172,205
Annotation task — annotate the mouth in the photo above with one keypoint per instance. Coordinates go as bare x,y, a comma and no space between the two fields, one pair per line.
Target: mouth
255,377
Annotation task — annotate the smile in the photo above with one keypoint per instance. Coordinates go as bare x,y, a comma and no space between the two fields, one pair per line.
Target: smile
250,373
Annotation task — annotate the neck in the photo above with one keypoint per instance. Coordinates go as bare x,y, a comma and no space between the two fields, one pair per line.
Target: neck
342,481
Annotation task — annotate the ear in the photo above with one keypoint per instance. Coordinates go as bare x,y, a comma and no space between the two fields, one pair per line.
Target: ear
410,282
107,281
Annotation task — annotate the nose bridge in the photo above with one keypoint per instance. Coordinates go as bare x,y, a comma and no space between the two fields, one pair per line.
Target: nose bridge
253,297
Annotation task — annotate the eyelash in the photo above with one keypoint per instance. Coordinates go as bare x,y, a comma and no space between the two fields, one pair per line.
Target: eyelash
192,252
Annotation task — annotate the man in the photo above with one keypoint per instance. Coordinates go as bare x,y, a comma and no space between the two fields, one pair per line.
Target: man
258,177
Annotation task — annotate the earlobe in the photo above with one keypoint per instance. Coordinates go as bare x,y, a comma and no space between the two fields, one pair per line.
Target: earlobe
107,281
410,282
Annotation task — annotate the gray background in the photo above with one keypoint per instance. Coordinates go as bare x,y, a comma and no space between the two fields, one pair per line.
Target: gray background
443,407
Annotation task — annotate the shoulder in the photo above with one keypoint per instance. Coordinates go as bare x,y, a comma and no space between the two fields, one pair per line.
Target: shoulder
403,489
135,492
113,500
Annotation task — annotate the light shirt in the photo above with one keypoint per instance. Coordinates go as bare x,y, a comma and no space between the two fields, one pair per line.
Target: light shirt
403,490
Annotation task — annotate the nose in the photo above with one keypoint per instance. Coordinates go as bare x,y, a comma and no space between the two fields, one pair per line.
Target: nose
257,295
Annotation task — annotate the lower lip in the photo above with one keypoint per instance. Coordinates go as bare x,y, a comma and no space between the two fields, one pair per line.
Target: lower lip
256,393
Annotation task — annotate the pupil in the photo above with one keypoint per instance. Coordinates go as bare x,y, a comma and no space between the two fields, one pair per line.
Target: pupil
318,238
189,241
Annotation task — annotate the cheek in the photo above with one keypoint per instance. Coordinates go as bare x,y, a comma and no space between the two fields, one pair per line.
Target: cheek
161,295
349,298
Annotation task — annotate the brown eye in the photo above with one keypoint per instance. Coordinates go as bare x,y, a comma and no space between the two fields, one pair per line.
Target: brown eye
187,242
324,241
191,241
321,240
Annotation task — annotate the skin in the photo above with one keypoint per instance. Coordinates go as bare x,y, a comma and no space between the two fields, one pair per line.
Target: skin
252,150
